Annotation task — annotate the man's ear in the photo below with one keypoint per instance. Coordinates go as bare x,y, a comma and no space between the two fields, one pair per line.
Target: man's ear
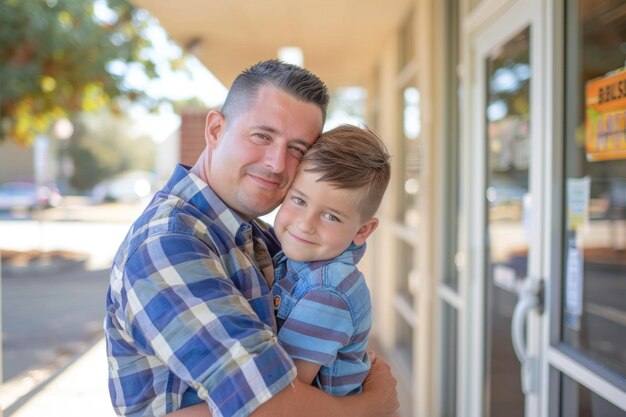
215,125
365,231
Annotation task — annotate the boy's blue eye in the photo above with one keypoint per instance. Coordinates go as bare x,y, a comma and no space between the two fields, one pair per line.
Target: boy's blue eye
297,201
331,217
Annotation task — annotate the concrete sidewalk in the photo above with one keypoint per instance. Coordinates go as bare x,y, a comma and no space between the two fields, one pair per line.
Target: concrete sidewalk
80,390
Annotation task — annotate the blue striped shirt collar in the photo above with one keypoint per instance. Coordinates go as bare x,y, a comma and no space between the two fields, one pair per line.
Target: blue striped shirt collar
352,254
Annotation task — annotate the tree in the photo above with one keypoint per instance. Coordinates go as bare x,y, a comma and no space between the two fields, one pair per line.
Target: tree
59,57
103,146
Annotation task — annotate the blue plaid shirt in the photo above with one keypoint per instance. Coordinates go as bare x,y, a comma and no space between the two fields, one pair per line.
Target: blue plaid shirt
324,317
189,311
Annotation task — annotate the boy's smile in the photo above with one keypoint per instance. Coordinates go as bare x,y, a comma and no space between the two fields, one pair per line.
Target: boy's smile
318,221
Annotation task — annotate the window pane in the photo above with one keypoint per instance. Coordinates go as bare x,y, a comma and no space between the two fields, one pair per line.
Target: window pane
411,155
578,401
452,207
449,372
404,342
406,259
508,202
594,261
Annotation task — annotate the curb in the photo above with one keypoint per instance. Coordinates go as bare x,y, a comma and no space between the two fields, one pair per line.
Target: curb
42,268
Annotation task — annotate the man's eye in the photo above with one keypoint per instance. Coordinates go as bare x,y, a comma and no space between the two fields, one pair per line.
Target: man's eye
261,136
297,151
297,201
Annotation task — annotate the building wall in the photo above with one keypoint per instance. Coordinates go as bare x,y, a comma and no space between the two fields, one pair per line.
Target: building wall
407,245
428,255
16,162
192,141
167,155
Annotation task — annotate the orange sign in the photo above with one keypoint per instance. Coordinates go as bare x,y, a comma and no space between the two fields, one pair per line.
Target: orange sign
605,124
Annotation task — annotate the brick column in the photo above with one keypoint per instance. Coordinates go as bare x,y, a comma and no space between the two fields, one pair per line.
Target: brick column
192,134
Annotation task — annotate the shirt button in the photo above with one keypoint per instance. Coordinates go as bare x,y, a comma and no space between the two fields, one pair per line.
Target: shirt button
276,302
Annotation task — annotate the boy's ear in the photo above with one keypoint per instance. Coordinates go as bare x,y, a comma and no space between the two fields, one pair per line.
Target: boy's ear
365,231
215,125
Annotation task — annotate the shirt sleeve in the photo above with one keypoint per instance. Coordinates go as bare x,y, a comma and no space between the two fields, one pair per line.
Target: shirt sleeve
184,310
318,325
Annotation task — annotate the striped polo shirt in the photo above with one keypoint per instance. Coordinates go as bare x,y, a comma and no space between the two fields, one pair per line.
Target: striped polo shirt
324,316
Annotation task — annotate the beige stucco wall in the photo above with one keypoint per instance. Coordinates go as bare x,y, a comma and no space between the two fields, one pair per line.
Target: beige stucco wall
16,162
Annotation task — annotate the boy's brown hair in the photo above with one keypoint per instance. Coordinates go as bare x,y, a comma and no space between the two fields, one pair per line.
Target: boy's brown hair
352,158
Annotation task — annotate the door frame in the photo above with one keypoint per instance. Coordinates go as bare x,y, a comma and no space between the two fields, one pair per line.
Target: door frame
489,25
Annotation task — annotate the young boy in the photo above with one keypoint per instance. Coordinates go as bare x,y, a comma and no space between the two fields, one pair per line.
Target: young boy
321,299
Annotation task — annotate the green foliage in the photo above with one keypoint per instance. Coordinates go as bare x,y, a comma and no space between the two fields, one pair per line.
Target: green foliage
102,147
55,57
94,161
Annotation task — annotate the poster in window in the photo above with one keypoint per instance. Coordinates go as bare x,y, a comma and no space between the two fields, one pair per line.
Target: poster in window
605,122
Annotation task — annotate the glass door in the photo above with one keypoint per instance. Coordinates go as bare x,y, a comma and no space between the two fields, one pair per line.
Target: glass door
505,184
587,352
507,215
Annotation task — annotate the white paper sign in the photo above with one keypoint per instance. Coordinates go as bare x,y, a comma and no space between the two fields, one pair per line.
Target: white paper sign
573,286
577,202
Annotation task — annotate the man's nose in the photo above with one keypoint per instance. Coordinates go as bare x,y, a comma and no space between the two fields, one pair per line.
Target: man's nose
275,157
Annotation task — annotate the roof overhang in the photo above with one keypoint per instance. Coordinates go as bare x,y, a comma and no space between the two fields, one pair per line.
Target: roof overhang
340,40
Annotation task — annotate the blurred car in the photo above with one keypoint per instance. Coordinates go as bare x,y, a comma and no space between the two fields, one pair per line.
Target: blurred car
126,187
22,194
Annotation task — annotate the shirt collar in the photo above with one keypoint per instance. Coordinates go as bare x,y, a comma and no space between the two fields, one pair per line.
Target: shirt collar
352,254
189,187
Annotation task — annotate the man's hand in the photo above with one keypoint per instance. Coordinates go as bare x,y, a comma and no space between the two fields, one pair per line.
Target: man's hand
381,384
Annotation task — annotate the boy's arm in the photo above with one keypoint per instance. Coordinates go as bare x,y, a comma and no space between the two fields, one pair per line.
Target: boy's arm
378,399
306,370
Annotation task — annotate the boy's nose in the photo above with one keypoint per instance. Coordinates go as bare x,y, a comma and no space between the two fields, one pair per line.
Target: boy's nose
306,223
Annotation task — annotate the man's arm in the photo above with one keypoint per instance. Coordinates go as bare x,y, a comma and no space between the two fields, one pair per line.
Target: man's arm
378,399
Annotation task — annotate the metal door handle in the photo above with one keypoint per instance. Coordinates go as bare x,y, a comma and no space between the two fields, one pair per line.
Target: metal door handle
530,297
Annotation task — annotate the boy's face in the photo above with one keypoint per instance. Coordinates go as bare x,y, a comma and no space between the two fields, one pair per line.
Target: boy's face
318,222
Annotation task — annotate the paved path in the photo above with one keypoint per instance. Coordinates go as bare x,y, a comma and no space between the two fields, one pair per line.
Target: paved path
51,316
79,391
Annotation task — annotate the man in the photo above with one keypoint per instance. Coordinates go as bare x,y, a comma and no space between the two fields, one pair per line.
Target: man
189,311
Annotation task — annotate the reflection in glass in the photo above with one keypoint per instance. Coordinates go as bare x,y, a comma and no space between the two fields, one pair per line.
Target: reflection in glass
411,129
412,123
403,302
449,370
451,177
578,401
594,255
508,202
404,342
406,260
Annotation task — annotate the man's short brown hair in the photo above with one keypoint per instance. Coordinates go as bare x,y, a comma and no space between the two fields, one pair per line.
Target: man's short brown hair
292,79
352,158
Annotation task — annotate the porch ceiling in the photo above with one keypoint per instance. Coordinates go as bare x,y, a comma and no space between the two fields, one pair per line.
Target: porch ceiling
340,39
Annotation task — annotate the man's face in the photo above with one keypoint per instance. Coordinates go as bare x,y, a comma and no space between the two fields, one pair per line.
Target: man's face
254,155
